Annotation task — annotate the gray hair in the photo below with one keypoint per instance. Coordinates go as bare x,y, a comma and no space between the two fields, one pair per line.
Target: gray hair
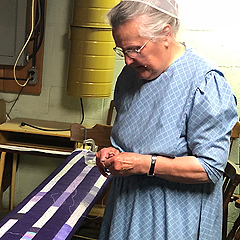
154,20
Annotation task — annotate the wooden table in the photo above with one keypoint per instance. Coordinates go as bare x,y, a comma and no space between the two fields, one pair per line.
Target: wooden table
19,137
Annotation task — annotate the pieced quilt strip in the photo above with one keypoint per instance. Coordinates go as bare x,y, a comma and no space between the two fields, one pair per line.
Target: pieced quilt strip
57,207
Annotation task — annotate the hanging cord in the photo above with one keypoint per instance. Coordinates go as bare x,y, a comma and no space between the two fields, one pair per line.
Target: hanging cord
81,102
39,14
26,43
39,29
15,101
36,33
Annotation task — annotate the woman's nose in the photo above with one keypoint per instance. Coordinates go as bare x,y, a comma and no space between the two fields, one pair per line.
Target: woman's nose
128,60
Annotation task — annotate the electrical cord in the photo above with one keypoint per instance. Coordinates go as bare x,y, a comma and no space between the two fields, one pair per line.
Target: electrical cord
26,43
7,78
81,102
43,129
39,28
37,32
39,14
51,130
15,101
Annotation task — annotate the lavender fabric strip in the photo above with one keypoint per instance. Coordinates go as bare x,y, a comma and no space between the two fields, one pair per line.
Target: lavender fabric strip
63,233
56,208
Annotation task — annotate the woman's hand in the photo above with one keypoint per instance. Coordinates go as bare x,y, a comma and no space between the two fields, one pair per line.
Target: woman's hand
126,163
102,156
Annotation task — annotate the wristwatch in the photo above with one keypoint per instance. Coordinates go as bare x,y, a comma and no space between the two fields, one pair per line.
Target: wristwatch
151,170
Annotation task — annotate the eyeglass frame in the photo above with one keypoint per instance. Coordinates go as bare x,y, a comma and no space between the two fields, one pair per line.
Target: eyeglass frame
119,51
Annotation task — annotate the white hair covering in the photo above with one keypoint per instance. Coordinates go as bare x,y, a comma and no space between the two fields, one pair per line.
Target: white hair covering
169,7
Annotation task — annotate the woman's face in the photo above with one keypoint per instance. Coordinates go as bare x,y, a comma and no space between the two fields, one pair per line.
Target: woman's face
152,60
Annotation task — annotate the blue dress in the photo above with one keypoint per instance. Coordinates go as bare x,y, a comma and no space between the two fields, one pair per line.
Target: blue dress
188,110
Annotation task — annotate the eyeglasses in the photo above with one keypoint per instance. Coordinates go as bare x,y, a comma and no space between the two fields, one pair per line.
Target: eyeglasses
132,53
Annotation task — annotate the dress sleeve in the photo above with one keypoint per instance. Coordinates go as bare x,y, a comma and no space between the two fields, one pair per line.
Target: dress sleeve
212,117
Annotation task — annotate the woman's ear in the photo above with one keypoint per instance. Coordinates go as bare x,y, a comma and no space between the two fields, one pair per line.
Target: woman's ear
167,30
167,35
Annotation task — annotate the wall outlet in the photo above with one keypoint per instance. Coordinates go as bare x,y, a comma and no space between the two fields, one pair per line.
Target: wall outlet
33,73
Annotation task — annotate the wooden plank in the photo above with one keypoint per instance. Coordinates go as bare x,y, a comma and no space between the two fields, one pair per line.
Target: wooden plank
13,135
2,111
15,125
1,75
99,133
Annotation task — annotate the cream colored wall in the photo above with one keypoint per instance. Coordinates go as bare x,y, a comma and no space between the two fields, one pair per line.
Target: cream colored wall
208,26
212,28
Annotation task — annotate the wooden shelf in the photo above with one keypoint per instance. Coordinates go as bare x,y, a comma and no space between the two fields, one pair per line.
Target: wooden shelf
13,134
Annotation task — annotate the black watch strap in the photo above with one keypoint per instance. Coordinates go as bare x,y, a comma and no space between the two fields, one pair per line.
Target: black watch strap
151,170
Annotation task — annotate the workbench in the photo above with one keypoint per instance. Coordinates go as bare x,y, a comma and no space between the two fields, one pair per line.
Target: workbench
18,136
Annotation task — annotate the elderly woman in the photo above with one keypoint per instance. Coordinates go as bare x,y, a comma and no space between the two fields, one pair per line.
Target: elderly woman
175,113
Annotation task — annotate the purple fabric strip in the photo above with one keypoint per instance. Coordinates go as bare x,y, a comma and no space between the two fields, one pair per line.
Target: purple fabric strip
28,236
61,199
89,198
72,187
95,189
40,194
67,201
63,233
18,216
